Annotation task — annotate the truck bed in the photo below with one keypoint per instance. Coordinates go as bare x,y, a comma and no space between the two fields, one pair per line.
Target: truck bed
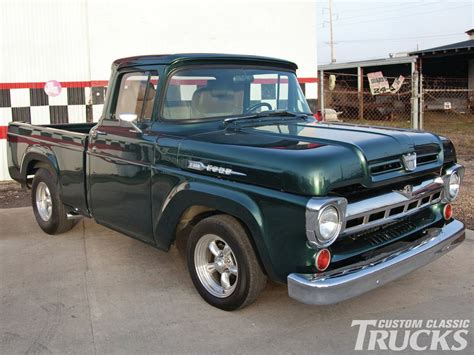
71,127
64,145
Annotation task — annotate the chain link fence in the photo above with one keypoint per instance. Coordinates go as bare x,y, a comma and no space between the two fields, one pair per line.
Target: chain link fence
447,99
440,100
355,103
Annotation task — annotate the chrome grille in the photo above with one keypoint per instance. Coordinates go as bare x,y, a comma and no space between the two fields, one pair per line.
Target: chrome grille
385,167
396,164
384,208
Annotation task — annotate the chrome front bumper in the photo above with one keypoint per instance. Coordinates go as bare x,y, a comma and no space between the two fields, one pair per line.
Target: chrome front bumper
344,283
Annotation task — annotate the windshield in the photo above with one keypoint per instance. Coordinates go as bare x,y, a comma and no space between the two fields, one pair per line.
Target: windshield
203,92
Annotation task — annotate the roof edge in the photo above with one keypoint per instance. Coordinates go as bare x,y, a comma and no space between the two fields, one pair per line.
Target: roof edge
370,63
174,59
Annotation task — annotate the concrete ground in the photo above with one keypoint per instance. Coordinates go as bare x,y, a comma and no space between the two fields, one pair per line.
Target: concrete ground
93,290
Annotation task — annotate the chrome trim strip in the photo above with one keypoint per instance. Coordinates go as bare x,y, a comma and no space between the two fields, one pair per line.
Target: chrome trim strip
313,208
459,169
200,166
178,188
393,198
456,167
338,285
387,202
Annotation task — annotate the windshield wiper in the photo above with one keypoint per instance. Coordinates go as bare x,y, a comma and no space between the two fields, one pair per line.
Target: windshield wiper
273,113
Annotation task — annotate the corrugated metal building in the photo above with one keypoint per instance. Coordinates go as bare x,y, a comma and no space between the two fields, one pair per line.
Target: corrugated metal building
74,42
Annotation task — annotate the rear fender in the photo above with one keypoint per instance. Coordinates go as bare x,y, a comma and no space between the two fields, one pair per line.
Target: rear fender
42,154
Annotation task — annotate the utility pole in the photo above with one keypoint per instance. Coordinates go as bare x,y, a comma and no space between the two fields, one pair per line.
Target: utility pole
331,40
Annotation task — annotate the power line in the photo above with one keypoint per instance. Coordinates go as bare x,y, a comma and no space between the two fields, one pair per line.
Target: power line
380,12
398,38
377,12
370,7
363,9
404,16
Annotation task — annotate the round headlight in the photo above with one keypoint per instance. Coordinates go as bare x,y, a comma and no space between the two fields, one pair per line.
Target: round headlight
453,186
329,225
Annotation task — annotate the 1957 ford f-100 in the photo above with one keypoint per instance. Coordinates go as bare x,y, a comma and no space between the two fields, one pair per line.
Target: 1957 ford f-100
224,151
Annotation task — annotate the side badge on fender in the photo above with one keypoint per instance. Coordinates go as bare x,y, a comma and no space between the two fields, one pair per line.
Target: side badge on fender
200,166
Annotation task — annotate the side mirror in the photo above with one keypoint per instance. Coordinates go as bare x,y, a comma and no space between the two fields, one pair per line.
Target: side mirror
131,120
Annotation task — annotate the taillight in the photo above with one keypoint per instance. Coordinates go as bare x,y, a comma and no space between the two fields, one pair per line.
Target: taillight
447,211
323,259
318,115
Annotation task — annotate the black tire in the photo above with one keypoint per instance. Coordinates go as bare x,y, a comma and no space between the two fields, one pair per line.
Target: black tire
250,281
57,223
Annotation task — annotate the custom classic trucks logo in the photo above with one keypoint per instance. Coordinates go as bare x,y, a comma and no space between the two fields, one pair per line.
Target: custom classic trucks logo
412,334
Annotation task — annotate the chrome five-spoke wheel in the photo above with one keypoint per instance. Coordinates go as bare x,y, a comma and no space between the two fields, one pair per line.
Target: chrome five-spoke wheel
216,265
44,203
223,264
50,212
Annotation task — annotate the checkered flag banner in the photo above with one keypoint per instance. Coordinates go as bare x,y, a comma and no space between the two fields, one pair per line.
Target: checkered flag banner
69,102
74,102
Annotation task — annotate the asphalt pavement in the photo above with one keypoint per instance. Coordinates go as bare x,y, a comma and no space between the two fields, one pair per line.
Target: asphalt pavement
93,290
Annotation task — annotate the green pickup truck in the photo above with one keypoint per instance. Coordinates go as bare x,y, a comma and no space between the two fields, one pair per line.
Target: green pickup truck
223,152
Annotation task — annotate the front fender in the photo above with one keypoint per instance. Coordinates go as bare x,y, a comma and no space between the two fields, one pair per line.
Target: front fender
225,200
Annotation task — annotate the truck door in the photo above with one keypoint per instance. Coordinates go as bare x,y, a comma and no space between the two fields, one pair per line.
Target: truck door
120,155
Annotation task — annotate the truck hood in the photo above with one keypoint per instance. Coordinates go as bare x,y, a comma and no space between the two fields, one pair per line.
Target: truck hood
310,158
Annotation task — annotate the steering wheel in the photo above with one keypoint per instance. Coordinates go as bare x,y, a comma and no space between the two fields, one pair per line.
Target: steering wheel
256,106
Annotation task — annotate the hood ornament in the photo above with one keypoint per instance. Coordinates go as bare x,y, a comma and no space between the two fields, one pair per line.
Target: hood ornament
406,191
409,161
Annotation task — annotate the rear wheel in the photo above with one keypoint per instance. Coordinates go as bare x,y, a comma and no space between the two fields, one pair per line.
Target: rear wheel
223,264
50,213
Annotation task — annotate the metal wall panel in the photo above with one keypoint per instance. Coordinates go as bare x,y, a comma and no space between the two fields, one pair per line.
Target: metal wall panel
75,41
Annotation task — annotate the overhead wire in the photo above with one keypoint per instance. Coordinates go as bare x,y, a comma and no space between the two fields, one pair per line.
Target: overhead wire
397,38
404,16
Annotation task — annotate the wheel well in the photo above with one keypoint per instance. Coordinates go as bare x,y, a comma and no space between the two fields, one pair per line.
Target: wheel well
194,214
32,167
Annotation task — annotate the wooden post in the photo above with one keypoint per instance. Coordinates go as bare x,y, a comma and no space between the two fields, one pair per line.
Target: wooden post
414,97
321,92
360,91
421,102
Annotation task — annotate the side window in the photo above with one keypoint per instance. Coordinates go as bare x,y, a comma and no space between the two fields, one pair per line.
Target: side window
137,95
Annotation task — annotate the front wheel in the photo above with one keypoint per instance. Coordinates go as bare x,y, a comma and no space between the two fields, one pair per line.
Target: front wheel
223,264
48,208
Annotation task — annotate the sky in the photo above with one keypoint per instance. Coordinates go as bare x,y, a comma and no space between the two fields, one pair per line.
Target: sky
371,29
